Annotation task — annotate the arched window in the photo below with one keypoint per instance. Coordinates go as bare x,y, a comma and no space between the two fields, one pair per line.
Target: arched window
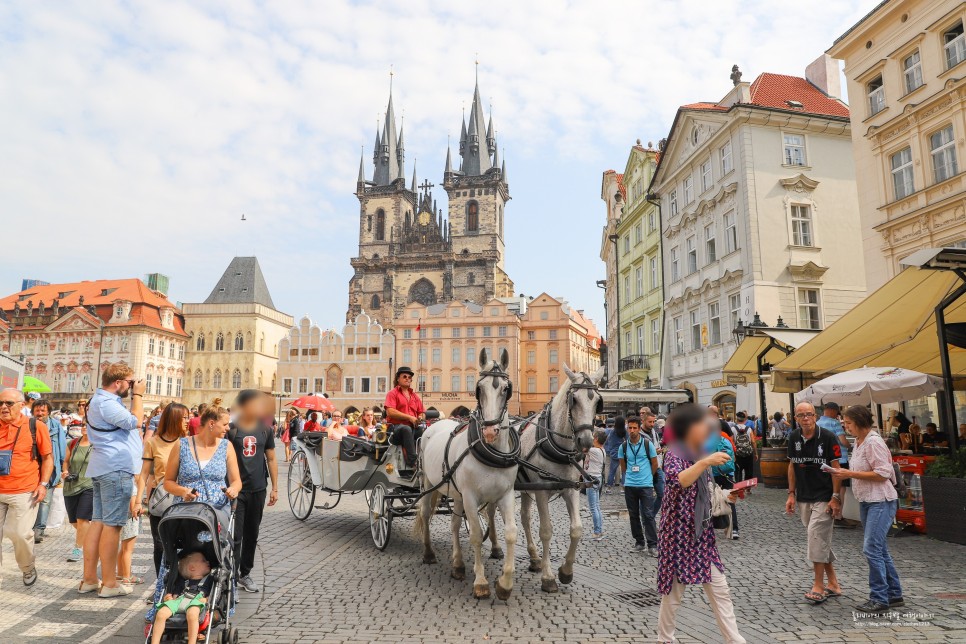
472,217
236,379
220,342
200,342
239,341
374,303
422,292
198,379
216,379
380,225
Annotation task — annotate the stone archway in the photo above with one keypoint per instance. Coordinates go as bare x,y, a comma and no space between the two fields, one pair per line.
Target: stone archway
422,292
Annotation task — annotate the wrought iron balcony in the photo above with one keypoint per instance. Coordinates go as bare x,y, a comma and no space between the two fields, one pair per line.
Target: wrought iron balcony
630,363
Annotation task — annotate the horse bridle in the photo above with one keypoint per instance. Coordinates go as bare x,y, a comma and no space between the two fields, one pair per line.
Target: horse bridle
576,430
502,375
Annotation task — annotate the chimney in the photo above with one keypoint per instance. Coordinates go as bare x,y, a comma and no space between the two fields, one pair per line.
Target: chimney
824,74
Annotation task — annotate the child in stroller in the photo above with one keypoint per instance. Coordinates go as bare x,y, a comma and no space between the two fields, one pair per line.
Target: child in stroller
196,573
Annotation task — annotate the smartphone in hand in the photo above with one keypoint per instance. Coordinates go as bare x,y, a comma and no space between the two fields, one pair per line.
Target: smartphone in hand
825,467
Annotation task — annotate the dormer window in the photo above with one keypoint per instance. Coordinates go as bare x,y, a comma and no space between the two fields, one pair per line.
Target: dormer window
795,105
121,311
876,94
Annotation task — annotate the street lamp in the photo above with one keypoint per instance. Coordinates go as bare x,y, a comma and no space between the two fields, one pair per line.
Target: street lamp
602,284
280,395
617,304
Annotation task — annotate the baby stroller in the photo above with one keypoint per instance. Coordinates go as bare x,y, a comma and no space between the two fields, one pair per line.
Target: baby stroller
199,527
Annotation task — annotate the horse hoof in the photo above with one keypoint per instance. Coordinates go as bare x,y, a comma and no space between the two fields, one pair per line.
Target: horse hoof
535,565
548,585
459,573
481,592
496,553
429,558
502,593
564,577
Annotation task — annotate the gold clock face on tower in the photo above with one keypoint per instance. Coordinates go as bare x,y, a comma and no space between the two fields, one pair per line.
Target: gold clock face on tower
424,218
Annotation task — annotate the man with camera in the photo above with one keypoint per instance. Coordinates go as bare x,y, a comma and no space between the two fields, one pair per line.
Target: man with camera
115,438
25,468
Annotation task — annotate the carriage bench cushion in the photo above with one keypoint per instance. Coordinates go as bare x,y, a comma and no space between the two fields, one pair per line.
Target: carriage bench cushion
312,439
353,448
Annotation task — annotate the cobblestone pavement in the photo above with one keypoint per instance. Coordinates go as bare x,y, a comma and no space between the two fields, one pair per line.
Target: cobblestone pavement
323,581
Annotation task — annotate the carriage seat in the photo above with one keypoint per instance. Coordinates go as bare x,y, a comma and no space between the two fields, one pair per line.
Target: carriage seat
353,448
312,439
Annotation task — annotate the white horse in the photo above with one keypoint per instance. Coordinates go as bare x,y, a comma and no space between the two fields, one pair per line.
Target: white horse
449,463
554,441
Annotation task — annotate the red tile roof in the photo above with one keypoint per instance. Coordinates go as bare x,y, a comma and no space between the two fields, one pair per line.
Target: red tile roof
620,184
101,294
773,90
704,106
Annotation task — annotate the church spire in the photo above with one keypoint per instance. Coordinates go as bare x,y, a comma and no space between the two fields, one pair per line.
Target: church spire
362,167
401,151
413,186
388,156
474,146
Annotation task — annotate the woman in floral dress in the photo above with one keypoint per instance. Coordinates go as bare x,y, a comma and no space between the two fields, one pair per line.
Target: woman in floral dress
688,553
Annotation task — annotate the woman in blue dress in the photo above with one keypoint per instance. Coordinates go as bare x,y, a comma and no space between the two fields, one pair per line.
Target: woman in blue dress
197,471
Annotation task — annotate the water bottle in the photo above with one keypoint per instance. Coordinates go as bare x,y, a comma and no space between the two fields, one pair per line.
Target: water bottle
915,491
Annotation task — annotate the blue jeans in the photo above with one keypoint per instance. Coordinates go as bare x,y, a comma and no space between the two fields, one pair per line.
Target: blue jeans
658,489
593,502
112,498
612,471
640,508
43,511
877,518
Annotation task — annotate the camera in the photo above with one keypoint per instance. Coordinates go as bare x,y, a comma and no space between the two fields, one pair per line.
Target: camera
71,478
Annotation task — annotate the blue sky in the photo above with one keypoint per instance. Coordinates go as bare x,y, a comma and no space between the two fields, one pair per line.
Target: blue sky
136,134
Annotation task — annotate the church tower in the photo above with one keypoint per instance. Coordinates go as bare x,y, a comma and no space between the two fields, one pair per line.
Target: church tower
477,193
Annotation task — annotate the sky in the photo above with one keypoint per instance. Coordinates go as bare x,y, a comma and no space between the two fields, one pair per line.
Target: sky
135,134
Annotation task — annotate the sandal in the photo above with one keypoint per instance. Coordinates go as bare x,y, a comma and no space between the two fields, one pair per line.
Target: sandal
133,580
831,593
815,598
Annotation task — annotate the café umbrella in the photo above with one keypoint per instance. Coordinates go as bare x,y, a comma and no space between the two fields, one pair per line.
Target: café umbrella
876,385
35,384
314,403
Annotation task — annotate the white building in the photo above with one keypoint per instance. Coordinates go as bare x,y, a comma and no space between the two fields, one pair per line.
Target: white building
759,216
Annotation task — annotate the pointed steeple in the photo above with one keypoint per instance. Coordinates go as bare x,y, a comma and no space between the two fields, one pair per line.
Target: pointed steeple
375,148
463,134
387,158
401,151
362,168
475,150
413,186
496,155
491,136
503,171
449,162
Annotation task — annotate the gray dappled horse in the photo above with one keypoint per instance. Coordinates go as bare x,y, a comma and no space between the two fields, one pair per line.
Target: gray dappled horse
472,483
570,421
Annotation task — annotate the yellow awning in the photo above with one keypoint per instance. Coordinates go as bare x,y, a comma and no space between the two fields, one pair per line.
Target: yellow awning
744,361
893,327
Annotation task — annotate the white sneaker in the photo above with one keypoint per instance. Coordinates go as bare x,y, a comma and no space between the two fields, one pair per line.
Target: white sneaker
117,591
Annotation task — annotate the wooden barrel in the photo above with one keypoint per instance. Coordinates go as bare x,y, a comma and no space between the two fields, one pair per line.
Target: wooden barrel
774,467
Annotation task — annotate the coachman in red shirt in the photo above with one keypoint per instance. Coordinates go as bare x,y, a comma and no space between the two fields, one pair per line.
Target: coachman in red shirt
405,411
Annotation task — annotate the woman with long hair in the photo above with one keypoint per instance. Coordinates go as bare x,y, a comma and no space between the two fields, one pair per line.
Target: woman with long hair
367,423
688,551
872,476
287,433
157,449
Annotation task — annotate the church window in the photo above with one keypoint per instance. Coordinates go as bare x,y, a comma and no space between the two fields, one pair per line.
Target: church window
220,342
369,223
239,341
374,303
216,379
200,343
422,292
472,217
198,379
380,225
236,379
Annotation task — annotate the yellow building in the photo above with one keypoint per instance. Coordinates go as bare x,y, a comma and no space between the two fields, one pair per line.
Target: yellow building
235,335
905,63
352,369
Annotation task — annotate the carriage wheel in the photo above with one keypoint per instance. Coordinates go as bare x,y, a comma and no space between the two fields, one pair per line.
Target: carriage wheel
301,490
329,498
380,516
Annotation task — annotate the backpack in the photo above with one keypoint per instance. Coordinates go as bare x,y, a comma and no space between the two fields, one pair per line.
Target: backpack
743,445
34,454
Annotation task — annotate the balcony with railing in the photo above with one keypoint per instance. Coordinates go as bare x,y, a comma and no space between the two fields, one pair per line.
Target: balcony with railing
634,368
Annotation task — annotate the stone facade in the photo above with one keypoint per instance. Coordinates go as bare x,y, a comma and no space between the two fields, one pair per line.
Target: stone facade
908,128
612,193
353,369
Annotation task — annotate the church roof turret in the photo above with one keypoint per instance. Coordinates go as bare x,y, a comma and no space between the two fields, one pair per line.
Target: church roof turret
476,157
388,156
449,162
362,168
413,185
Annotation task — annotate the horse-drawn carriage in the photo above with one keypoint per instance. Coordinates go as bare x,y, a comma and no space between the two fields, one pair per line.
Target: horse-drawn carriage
467,468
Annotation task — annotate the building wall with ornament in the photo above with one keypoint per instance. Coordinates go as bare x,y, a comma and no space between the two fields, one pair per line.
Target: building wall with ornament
68,333
760,215
352,368
904,64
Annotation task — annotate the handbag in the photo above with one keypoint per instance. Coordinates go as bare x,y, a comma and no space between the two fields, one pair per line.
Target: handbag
720,507
6,455
160,501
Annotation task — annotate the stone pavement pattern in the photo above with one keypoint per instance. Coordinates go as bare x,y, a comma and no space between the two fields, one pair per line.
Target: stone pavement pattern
324,581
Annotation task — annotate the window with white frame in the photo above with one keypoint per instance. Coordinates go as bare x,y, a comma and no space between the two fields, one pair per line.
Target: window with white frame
381,384
651,221
471,332
197,379
672,202
734,306
531,384
421,355
876,95
454,382
157,385
710,247
455,331
627,244
706,179
235,379
407,334
802,225
942,146
487,332
437,355
365,385
531,335
303,385
177,392
639,280
437,332
470,382
554,355
902,181
726,162
954,44
350,385
627,340
319,385
677,324
675,267
150,346
809,309
455,355
501,331
694,320
638,234
531,357
72,383
286,384
161,348
692,247
627,288
794,149
407,355
714,323
731,232
470,355
912,71
653,266
655,335
552,334
148,379
640,340
437,382
688,189
554,383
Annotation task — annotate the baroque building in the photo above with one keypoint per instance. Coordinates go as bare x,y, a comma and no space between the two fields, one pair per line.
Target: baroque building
759,216
904,64
234,336
612,193
408,251
68,333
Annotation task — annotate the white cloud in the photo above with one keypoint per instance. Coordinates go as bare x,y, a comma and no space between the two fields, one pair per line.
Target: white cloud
135,134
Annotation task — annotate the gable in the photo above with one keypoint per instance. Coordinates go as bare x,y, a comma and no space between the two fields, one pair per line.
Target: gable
689,134
75,320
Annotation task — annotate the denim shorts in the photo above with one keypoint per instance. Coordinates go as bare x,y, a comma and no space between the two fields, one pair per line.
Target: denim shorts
112,498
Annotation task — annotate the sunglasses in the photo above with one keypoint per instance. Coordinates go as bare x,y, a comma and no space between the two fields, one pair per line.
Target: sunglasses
9,403
405,375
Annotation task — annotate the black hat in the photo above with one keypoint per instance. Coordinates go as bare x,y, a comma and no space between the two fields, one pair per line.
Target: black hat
401,370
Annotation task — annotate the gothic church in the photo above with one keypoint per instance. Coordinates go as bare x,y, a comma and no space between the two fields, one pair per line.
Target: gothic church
408,251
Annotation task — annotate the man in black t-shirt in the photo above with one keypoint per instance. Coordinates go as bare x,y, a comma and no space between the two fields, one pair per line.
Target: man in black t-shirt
254,443
816,495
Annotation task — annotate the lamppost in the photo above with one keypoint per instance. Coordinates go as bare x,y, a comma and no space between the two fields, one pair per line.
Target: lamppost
280,395
617,304
602,284
753,329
